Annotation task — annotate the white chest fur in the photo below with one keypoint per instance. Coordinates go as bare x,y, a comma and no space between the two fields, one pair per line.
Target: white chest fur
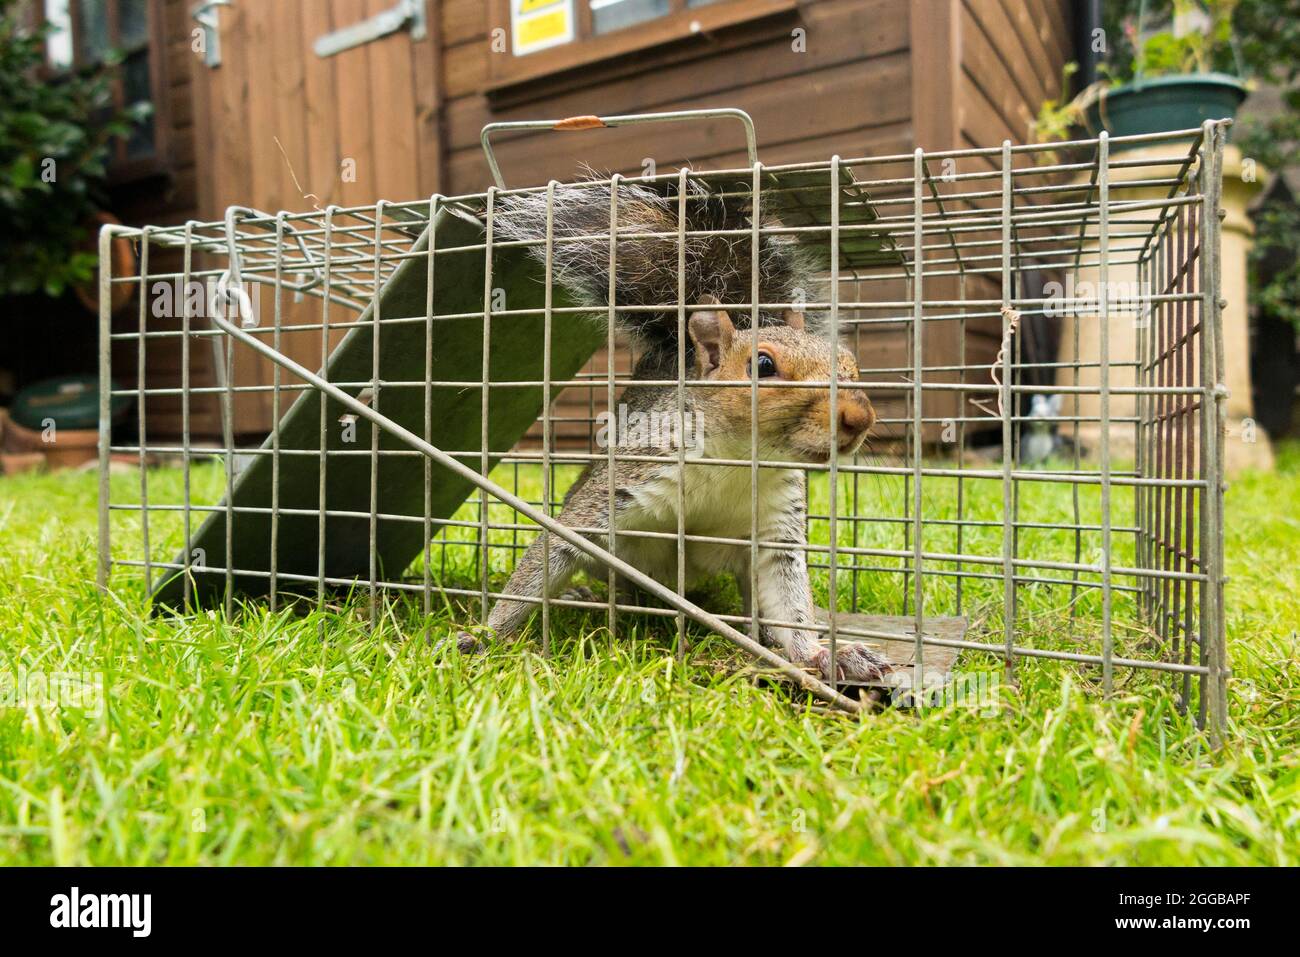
718,504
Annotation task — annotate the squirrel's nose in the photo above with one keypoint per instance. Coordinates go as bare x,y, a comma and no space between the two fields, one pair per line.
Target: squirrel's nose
855,418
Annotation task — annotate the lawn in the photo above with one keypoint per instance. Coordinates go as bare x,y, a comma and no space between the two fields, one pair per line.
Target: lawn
305,737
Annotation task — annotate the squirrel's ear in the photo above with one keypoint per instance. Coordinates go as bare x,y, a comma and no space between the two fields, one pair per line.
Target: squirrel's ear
711,332
794,319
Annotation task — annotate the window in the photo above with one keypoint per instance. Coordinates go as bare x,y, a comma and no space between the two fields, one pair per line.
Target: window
555,36
610,15
84,34
58,42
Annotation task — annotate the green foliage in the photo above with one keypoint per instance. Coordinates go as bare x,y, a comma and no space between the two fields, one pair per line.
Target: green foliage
1131,50
1276,230
1255,38
1058,117
1269,32
55,143
1164,53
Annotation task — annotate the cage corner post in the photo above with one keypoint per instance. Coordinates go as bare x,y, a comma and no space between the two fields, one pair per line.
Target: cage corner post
105,561
919,174
1006,369
1213,630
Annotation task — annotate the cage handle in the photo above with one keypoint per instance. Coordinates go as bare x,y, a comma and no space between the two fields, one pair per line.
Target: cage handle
235,273
591,122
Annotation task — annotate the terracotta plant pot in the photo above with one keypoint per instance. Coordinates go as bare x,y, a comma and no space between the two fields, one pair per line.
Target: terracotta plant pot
123,265
68,449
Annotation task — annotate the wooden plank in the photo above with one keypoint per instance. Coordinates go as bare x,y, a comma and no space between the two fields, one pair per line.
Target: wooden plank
178,55
1031,48
986,121
232,175
936,41
320,114
1057,28
429,135
987,126
290,95
268,186
180,105
885,140
462,20
354,103
203,134
992,19
466,67
627,50
184,157
1040,28
934,44
176,19
985,68
884,83
838,32
392,112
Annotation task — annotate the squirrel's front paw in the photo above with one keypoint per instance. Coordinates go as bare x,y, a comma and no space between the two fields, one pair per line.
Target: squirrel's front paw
853,661
579,593
469,644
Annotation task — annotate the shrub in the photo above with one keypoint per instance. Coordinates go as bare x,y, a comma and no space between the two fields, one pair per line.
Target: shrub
55,142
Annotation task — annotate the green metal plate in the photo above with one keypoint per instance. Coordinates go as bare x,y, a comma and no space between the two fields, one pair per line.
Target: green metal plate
800,198
516,355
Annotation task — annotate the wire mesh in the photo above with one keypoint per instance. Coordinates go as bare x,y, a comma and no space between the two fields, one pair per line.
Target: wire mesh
1065,503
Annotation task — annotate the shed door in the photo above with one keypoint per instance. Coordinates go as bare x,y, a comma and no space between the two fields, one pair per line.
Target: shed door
279,127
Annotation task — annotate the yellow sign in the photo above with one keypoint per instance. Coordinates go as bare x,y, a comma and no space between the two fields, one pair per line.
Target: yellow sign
540,24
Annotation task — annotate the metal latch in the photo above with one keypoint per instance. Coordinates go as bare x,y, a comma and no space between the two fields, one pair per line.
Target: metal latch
205,15
380,25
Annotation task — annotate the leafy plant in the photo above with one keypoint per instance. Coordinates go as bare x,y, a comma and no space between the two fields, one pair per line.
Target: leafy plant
55,143
1130,53
1168,52
1057,117
1258,38
1269,33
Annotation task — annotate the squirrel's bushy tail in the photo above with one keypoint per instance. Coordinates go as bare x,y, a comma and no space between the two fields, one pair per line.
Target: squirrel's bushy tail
646,268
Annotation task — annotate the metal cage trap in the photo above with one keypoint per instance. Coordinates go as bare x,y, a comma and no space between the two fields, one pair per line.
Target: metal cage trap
1036,326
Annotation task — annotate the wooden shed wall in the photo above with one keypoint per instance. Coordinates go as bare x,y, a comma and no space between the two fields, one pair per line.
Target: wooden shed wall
168,200
877,77
981,69
846,93
65,338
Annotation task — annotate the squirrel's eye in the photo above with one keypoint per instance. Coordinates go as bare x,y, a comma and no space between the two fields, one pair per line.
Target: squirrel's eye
766,366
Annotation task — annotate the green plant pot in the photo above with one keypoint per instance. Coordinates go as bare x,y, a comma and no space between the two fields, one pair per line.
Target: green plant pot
1166,103
71,401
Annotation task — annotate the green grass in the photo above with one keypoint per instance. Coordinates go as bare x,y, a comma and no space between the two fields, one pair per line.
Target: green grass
304,737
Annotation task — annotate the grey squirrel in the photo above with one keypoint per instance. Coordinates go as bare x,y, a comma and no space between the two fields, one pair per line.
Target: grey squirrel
793,424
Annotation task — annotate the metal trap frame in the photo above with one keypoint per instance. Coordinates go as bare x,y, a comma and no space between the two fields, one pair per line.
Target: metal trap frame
445,351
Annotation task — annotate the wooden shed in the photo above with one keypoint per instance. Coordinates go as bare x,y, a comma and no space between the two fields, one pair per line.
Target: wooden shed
248,112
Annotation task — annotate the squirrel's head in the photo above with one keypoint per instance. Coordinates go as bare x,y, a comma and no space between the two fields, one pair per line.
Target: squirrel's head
792,420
